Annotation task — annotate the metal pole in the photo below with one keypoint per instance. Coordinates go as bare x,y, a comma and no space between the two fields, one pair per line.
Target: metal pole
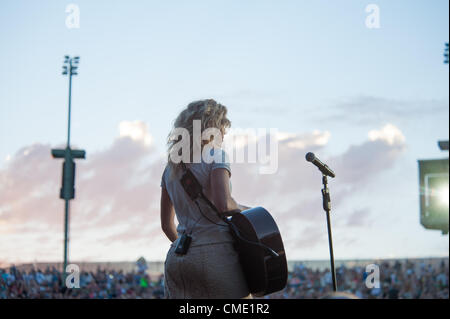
67,191
66,238
70,98
66,216
327,208
330,242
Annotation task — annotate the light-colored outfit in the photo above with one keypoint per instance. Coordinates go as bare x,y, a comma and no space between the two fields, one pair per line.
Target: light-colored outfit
211,267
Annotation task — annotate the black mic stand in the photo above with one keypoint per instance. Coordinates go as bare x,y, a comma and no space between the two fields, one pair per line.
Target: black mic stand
327,208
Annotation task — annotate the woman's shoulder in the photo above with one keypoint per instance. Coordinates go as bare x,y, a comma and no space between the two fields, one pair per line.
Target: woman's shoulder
216,156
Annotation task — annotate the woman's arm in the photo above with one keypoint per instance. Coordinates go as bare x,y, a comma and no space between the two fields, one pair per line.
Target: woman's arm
168,216
220,191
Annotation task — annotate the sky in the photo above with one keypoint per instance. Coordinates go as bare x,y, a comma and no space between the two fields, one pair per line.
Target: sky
369,102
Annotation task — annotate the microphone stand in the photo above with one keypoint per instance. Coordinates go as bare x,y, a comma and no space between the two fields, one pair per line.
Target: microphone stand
327,208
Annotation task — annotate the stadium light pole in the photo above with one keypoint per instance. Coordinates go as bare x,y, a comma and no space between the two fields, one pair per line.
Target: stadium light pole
67,191
433,187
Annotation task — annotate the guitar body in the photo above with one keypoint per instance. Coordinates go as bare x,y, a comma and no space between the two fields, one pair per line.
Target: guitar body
264,273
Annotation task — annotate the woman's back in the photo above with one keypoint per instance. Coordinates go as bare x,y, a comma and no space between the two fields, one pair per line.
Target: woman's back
203,230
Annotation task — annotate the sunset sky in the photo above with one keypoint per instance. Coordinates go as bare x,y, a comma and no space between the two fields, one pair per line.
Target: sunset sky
368,102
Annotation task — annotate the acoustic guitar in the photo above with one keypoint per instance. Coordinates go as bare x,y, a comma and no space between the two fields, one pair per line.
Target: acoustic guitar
257,241
261,251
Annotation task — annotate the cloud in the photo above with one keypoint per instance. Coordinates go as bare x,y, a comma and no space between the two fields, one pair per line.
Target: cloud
116,211
136,130
359,218
302,141
362,162
389,133
117,186
293,194
370,110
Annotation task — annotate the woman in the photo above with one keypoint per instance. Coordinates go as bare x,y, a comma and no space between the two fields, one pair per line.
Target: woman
210,268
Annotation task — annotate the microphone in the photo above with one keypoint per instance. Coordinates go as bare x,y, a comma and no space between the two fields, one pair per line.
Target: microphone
310,157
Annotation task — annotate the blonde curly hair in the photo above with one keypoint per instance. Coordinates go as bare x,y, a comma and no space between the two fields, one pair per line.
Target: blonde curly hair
209,112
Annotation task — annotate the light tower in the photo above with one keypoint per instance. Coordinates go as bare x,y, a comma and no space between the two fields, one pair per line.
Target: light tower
67,191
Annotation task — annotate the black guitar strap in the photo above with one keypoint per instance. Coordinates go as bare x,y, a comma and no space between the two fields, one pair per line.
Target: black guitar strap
195,191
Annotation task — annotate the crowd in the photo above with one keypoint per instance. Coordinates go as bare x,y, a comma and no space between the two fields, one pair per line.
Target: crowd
102,284
396,280
399,280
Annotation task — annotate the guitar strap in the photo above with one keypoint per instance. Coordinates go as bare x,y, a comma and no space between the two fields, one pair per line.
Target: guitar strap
195,191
